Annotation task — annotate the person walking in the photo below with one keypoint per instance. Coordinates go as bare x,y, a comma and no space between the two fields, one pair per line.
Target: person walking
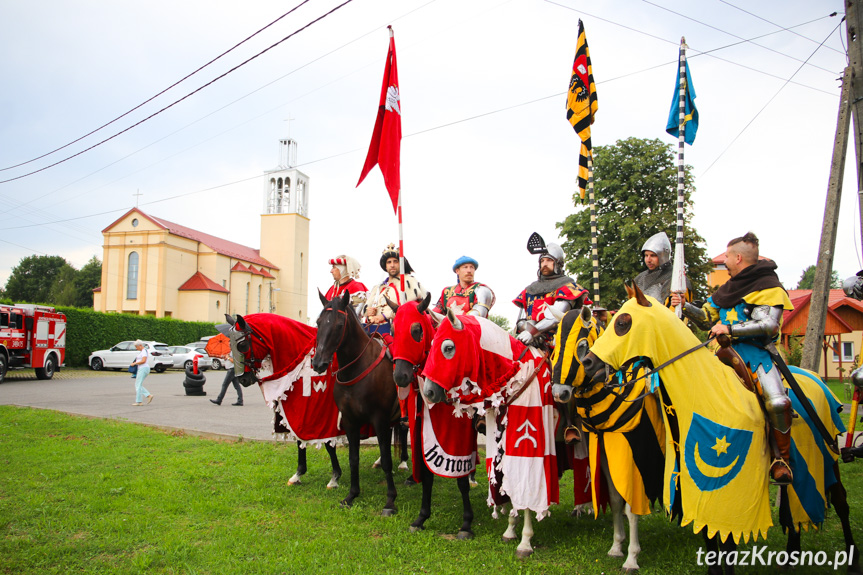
143,371
229,379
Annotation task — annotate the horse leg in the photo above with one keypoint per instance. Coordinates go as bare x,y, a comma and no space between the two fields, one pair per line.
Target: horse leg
301,466
719,551
353,434
425,507
510,533
617,509
524,550
337,469
839,498
467,514
384,442
403,447
634,549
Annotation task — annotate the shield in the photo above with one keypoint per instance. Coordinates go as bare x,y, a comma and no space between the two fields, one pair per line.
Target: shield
218,346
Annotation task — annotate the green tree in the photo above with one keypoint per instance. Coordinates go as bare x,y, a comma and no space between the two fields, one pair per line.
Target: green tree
635,183
88,278
500,321
807,279
63,290
31,280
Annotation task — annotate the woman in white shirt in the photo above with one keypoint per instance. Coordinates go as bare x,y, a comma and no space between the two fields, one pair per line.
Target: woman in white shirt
143,371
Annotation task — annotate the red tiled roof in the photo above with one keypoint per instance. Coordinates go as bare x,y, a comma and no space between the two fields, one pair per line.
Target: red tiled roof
837,298
267,274
255,271
219,245
201,282
239,267
97,289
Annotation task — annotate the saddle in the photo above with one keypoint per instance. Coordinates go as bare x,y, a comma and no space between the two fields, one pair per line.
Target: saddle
732,359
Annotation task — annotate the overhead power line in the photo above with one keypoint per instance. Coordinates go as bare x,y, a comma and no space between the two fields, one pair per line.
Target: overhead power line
318,19
150,99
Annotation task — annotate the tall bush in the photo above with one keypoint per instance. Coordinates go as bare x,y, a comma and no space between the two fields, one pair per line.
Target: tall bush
88,331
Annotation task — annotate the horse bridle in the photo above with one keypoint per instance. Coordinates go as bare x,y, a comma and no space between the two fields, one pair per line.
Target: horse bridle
341,340
245,346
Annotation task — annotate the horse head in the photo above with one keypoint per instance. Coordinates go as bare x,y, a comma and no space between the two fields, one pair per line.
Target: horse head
471,358
240,334
642,328
576,333
332,324
412,338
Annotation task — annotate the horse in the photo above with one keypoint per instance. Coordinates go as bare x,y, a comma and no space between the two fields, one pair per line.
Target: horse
623,431
480,368
274,351
706,488
413,333
364,390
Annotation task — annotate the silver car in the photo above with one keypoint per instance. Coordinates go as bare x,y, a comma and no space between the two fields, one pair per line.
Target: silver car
124,353
184,357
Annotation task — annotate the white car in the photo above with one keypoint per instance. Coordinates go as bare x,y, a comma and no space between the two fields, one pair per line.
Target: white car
124,353
184,356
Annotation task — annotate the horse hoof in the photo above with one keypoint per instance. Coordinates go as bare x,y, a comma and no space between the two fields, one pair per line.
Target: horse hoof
345,504
473,483
377,464
388,512
409,482
614,553
464,535
333,484
403,465
416,528
523,553
295,480
506,539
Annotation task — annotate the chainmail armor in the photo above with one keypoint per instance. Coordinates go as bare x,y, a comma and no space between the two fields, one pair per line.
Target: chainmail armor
656,283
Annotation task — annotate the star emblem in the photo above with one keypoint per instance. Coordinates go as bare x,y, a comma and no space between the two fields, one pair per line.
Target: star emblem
731,316
721,446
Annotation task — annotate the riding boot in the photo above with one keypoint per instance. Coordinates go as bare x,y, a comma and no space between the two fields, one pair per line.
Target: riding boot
780,469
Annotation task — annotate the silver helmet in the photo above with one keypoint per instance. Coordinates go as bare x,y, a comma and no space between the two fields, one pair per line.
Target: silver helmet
660,245
554,252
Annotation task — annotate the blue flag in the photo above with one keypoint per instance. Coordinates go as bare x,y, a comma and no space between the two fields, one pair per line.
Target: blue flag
691,120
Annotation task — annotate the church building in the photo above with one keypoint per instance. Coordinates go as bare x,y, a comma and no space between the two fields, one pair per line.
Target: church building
151,266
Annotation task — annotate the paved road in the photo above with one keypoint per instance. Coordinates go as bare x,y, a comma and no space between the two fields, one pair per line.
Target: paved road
110,395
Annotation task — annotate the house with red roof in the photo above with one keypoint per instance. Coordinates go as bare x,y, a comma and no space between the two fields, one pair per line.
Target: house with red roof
843,330
153,266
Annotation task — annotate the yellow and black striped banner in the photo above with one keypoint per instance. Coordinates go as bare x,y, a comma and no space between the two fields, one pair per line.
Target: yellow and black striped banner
581,103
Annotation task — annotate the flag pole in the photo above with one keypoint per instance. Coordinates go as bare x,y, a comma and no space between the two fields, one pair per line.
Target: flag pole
401,243
594,249
678,278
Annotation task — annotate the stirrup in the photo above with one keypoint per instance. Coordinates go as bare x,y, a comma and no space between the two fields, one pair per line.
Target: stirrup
783,463
571,435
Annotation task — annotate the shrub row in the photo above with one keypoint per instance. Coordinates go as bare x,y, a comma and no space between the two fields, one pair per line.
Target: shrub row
88,331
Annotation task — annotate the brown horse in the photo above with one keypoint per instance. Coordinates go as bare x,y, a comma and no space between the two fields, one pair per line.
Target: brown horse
364,390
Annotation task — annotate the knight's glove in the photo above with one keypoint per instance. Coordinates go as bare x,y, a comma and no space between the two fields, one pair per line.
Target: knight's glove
525,337
697,315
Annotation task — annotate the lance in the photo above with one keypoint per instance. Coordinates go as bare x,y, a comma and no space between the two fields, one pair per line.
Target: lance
401,243
594,250
678,273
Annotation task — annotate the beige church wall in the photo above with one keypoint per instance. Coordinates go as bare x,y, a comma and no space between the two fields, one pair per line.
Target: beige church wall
284,241
237,286
200,305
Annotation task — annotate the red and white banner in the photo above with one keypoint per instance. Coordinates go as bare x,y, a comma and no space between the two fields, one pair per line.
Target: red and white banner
449,442
385,147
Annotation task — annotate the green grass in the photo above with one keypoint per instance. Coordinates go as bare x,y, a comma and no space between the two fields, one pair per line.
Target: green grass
79,495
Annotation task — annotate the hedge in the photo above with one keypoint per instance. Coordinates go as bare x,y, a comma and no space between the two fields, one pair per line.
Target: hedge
88,331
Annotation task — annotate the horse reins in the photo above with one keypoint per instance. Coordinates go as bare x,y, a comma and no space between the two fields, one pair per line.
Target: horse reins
373,365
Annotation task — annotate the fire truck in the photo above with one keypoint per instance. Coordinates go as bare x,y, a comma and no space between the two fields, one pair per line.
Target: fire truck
32,336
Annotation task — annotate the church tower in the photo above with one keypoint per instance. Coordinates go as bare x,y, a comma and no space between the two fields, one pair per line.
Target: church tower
285,233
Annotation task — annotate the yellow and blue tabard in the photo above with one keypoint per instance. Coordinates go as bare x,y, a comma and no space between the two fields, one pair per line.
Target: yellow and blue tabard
754,355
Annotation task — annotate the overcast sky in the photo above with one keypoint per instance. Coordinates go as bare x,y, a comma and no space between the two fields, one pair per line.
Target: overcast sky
487,154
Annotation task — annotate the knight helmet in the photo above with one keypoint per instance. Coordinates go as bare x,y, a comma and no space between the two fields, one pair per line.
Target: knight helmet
660,245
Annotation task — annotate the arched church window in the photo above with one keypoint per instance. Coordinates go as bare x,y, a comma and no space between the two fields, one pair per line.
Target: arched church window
248,285
132,277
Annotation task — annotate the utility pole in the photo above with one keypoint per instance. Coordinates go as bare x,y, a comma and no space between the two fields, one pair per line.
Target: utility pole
850,103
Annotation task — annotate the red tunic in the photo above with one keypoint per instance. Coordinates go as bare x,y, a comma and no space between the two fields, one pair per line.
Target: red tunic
351,286
459,298
534,305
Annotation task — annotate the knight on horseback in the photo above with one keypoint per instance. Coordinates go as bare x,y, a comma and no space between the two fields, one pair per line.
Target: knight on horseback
467,297
748,309
655,281
346,274
535,326
378,316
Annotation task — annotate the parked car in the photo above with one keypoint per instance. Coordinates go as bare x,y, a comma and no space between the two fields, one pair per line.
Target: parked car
124,353
184,356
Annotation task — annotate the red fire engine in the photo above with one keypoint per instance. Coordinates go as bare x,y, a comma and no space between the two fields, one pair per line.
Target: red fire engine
32,336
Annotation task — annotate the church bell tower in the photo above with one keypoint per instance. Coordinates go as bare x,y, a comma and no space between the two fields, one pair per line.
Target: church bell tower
285,233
